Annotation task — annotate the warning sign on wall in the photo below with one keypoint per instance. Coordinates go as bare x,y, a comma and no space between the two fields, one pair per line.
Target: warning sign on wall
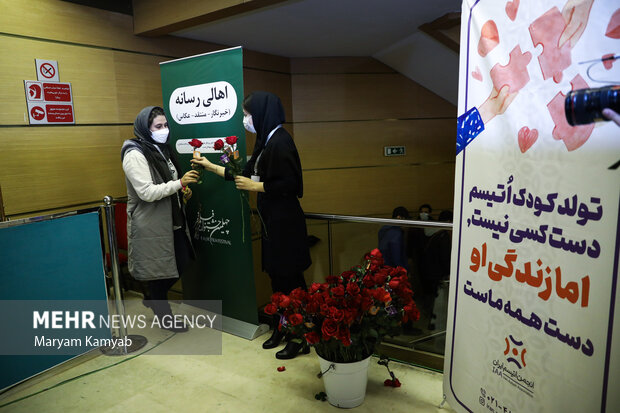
47,70
49,102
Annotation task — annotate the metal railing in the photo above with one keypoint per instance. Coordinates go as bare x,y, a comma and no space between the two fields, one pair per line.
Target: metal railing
330,218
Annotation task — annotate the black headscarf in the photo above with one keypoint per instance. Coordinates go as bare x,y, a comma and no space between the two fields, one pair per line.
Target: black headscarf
148,147
267,113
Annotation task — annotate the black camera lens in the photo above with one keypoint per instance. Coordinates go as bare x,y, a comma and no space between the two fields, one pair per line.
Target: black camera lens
585,105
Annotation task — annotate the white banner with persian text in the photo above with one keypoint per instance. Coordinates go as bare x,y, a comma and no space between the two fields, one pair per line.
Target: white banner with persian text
532,324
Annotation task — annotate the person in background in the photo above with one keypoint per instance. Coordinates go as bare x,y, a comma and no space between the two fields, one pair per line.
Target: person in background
274,172
437,257
159,243
392,241
420,278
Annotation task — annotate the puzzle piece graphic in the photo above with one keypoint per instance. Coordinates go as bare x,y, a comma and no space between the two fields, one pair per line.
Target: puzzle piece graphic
489,38
514,74
613,28
546,31
573,136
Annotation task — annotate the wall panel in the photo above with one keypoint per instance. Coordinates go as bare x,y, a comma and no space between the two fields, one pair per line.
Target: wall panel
377,190
73,166
358,96
352,144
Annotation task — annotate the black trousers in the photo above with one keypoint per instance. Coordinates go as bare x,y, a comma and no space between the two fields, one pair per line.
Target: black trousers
158,289
287,282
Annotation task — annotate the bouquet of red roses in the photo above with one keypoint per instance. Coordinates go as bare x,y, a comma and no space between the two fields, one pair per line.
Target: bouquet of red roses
346,317
230,154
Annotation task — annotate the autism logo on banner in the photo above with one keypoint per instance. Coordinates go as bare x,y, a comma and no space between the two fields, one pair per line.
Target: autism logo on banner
515,352
205,103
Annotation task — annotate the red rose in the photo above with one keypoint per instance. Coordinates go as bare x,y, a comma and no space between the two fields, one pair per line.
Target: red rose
299,294
270,309
353,289
344,335
338,291
312,337
366,303
324,310
284,301
295,319
331,279
382,295
231,140
376,253
195,143
218,145
394,284
329,328
347,275
312,307
368,281
381,276
411,312
315,287
337,314
349,316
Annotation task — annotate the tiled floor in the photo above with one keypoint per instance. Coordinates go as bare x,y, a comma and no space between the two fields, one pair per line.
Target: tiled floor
244,378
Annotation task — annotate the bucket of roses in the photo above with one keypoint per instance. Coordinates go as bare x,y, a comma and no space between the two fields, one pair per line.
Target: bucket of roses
345,318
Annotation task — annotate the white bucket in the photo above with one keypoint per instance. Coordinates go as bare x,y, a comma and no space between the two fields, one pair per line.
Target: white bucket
345,383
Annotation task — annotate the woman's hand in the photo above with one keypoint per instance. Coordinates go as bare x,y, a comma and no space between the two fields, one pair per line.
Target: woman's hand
190,177
246,184
204,162
187,194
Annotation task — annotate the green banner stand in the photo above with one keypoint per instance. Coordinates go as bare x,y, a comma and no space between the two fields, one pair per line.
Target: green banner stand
203,97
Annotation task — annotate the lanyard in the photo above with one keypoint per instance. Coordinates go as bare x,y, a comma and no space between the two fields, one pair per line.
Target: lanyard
261,152
173,170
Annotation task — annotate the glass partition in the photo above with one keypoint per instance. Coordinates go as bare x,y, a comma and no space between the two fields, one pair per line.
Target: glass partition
426,246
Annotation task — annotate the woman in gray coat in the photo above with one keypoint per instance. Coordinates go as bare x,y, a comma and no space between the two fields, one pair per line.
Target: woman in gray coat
159,243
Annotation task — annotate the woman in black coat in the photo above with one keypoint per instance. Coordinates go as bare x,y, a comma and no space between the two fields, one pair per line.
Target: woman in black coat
274,171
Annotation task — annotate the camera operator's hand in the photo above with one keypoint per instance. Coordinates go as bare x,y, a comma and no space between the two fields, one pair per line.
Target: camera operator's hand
612,115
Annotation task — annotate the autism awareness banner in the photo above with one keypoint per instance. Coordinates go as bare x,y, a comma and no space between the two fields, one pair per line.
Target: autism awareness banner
202,97
533,323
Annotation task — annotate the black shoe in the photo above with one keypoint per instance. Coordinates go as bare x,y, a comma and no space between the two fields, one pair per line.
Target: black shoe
292,349
274,340
176,329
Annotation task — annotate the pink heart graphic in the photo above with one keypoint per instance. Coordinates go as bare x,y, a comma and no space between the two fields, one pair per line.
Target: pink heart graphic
511,9
527,138
476,74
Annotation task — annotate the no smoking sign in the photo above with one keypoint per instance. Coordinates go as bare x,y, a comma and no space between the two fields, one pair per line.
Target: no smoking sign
47,70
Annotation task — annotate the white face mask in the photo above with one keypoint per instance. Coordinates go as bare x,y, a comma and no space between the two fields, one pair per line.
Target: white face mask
424,216
160,136
248,124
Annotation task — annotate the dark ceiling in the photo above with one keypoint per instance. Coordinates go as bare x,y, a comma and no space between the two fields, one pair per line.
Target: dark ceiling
119,6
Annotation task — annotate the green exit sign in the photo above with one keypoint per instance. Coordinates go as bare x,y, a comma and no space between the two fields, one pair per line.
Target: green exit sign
394,150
